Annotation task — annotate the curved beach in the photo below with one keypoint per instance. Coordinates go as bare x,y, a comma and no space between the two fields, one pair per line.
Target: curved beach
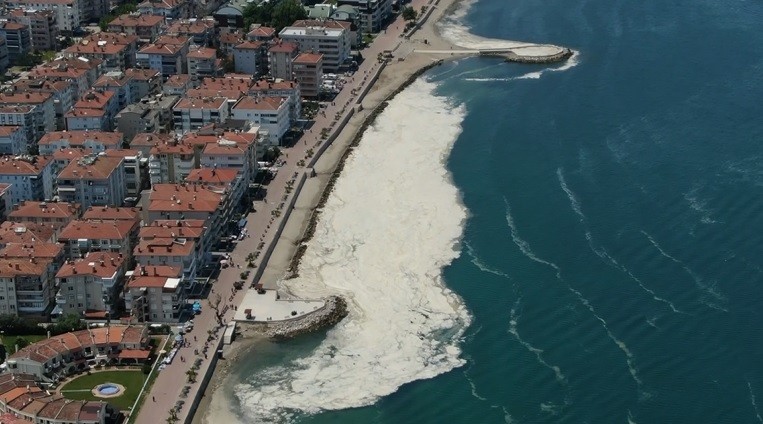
411,56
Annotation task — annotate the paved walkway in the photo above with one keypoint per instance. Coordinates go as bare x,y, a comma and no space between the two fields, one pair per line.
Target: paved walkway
167,388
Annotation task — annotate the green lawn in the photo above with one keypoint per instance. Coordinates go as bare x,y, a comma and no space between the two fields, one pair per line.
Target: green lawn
80,387
10,341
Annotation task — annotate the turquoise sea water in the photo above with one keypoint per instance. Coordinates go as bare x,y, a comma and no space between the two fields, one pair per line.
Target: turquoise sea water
612,258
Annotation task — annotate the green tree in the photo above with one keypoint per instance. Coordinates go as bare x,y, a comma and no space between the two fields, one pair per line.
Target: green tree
258,14
21,342
409,13
67,323
286,12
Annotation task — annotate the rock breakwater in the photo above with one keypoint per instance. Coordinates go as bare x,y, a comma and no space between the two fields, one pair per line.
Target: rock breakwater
329,315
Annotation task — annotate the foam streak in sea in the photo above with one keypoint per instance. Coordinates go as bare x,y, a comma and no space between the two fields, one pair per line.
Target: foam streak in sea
391,224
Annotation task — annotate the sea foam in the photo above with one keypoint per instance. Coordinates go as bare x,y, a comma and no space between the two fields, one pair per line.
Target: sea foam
391,224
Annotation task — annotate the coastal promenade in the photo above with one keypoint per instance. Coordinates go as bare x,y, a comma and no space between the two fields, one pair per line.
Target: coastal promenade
267,227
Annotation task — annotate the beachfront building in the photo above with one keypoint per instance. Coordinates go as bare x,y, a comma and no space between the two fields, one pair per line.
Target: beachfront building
53,214
180,202
51,359
96,141
93,181
30,177
271,114
155,293
308,71
192,113
175,251
90,286
330,38
81,237
229,182
373,13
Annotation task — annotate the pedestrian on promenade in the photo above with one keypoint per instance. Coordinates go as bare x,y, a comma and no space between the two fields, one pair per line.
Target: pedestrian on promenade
153,398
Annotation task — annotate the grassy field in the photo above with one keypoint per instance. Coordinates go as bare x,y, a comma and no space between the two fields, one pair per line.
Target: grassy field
80,387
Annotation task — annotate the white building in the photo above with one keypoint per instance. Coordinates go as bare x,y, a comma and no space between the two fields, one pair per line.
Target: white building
246,56
271,114
317,36
90,285
97,141
191,113
93,180
68,12
170,162
31,178
154,293
26,285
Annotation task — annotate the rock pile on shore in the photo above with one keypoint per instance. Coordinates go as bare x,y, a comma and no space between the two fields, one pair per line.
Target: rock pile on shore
329,315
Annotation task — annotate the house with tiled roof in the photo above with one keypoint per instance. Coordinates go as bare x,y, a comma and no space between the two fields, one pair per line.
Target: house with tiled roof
83,73
271,114
37,249
171,251
63,157
81,237
184,201
24,232
54,214
201,31
146,27
93,181
30,177
115,50
155,293
51,359
90,286
236,151
170,9
261,33
96,141
178,85
105,102
144,82
166,55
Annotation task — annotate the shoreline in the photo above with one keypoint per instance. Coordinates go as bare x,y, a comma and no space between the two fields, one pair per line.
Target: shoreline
300,226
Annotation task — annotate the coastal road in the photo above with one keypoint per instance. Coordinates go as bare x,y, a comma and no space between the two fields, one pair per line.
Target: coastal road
166,390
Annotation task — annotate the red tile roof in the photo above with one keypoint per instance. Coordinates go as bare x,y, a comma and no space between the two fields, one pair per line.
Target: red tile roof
203,53
260,103
13,267
201,103
9,165
97,264
310,58
29,250
95,100
35,209
24,232
107,213
142,74
284,47
79,138
105,230
212,176
88,169
129,20
250,45
176,197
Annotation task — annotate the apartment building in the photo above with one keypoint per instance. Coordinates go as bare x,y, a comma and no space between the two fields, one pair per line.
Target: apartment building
132,162
44,112
21,116
280,88
144,82
230,182
147,27
308,71
17,38
228,40
91,286
26,286
179,202
201,31
55,215
155,293
67,12
203,62
192,113
261,33
81,237
144,142
30,177
178,85
43,26
175,251
63,157
63,93
271,114
95,111
167,55
330,38
280,57
119,84
150,115
112,213
170,162
93,181
35,249
83,73
96,141
248,57
373,13
13,140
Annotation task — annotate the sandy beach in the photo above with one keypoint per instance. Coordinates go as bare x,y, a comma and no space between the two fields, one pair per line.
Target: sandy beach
411,57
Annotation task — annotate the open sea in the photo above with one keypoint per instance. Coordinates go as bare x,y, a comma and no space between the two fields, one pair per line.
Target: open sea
578,243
